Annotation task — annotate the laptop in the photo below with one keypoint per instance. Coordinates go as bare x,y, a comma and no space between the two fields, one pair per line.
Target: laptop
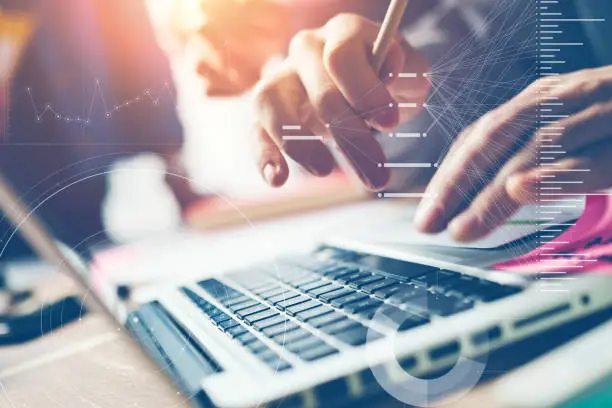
344,323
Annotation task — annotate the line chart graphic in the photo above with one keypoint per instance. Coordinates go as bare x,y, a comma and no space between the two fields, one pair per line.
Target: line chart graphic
99,105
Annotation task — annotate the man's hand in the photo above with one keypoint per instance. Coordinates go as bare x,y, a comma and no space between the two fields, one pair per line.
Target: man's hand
237,39
328,88
496,165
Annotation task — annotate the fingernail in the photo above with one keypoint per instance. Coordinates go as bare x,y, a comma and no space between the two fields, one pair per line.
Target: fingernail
429,217
375,178
386,118
465,228
269,172
359,151
320,161
522,188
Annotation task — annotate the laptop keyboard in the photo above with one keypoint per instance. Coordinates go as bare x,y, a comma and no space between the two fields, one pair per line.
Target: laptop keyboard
312,309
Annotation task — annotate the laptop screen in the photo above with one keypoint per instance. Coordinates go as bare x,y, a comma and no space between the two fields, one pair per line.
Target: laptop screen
67,111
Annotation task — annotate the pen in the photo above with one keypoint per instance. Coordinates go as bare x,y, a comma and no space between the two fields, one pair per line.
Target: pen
387,32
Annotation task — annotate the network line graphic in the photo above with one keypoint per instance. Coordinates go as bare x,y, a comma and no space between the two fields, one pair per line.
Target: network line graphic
148,95
491,62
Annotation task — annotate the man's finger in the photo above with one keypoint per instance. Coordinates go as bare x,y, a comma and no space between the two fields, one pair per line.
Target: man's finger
493,205
470,165
347,62
479,151
582,129
272,164
277,104
586,172
565,139
505,194
494,136
349,131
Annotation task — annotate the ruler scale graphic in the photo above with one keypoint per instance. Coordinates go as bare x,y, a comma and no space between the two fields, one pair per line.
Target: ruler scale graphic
554,49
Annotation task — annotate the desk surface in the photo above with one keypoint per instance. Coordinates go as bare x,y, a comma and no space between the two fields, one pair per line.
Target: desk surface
90,364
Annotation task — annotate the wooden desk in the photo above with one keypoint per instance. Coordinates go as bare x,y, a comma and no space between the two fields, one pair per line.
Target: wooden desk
87,364
90,364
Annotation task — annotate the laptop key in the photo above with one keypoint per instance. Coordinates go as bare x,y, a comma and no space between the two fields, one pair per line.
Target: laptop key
220,318
372,287
386,293
243,305
326,319
406,293
367,313
294,310
272,321
246,338
333,271
437,276
314,285
218,290
278,293
357,336
282,297
266,314
362,305
277,364
271,286
235,300
295,335
306,315
343,271
286,327
365,281
215,313
236,331
412,270
351,277
291,302
350,298
400,320
439,305
271,292
251,310
328,297
323,290
317,353
340,326
257,347
304,344
228,324
268,355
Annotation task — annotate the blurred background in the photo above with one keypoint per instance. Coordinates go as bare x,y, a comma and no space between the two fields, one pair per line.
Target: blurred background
113,128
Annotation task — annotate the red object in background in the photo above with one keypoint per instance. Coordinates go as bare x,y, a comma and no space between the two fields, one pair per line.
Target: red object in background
584,247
